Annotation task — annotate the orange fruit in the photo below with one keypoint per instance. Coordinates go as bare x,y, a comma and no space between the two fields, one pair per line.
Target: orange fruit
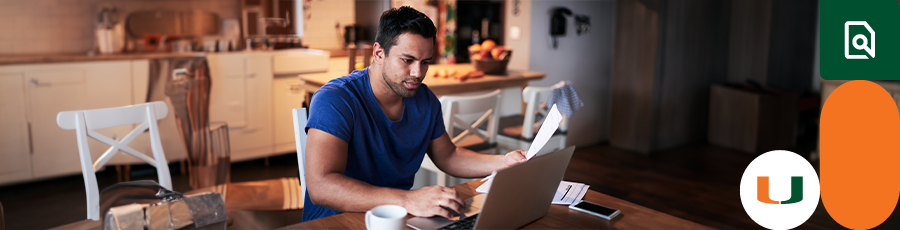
488,44
495,53
475,48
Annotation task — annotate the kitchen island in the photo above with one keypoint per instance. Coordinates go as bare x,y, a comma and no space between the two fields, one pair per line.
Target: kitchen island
440,86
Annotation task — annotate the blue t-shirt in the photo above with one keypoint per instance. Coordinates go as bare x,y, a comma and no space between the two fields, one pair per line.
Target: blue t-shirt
380,152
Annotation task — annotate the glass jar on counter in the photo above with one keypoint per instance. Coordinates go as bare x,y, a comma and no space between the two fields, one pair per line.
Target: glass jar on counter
258,43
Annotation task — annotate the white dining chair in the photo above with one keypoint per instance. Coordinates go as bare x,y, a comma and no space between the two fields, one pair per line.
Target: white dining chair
300,119
518,131
457,113
84,123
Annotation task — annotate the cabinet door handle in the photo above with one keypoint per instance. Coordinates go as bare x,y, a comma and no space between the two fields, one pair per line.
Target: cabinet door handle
36,82
30,142
294,85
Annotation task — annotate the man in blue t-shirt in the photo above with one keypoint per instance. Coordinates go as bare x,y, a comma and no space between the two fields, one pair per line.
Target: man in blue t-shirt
368,131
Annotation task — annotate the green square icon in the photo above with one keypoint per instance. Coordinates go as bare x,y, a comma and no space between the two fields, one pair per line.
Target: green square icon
859,40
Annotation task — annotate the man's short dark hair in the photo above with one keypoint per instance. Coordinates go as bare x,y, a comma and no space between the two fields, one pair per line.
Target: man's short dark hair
405,19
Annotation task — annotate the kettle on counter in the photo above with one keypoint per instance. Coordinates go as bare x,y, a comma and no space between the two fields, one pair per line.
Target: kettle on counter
110,34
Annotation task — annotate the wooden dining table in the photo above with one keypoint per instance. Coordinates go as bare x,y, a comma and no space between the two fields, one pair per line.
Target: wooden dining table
632,216
440,86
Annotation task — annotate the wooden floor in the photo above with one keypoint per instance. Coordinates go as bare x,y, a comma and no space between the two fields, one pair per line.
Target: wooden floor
699,183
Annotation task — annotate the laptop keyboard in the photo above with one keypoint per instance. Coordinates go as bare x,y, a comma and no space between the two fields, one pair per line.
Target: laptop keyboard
467,223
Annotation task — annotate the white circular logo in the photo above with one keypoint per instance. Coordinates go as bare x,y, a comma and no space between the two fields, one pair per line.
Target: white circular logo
780,190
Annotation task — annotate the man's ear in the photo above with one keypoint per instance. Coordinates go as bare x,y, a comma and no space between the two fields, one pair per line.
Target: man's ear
378,52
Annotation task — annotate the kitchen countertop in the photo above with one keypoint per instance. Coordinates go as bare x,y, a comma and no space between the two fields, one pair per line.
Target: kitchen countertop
81,57
50,58
338,66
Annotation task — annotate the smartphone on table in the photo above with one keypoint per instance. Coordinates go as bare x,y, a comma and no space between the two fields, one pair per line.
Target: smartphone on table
594,209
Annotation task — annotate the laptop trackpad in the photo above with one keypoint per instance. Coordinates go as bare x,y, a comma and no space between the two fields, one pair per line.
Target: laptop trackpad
474,206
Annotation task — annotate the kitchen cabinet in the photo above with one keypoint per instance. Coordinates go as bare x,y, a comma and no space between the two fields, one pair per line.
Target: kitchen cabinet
50,92
244,94
287,94
54,88
15,149
32,96
241,97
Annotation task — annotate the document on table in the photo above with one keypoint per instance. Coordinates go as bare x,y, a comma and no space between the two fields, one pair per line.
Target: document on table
551,123
569,192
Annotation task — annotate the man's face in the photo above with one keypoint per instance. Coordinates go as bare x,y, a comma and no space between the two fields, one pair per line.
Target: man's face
405,67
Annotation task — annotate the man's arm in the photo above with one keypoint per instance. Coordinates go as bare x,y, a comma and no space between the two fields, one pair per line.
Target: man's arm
461,162
326,160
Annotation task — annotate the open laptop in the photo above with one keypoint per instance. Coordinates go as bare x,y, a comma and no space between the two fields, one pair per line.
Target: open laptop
519,195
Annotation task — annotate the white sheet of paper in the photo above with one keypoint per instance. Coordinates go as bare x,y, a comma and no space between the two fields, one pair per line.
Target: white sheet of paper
551,123
569,192
486,187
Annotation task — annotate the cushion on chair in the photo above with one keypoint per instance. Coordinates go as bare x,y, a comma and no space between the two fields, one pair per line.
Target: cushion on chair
473,142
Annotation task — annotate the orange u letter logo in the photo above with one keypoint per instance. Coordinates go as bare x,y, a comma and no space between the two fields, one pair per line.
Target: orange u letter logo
762,190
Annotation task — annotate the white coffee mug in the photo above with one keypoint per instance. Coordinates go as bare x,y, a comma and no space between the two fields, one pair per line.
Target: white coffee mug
386,217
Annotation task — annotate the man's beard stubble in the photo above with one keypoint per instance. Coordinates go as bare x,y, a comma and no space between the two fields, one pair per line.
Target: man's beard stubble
398,87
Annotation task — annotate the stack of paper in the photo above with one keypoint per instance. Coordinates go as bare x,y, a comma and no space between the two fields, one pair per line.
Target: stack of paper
569,192
551,123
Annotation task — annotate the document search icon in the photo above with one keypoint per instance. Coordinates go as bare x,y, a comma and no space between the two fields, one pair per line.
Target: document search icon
859,41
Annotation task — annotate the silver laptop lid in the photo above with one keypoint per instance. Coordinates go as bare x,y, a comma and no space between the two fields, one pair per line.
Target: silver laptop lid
522,193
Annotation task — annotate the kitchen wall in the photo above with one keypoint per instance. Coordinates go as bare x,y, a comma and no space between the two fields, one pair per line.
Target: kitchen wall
323,26
667,53
584,60
774,43
518,32
368,12
792,48
816,76
67,26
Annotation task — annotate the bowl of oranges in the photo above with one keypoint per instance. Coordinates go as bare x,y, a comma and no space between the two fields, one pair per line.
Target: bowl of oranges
489,57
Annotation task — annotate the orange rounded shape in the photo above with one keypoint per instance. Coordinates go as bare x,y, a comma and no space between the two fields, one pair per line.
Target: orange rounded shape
475,48
488,44
495,53
859,150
